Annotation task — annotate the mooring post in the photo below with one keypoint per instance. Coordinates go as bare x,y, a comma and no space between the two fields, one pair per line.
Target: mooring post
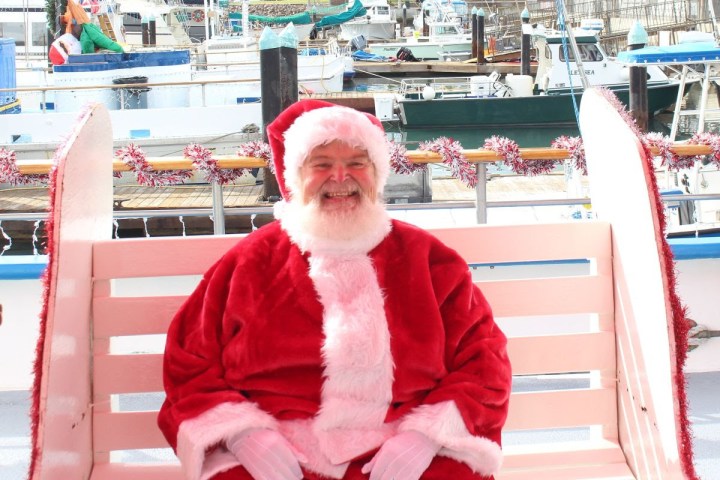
638,38
481,36
278,87
525,43
473,31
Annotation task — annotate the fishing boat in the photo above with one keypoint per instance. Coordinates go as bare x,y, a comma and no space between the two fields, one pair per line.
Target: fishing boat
378,23
551,97
159,96
445,38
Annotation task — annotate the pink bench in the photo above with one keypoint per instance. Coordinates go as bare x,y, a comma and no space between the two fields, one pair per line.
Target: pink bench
585,304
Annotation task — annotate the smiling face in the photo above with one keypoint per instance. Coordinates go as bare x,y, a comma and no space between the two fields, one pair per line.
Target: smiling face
337,177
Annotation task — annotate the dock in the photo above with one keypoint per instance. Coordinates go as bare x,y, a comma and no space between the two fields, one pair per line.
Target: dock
436,67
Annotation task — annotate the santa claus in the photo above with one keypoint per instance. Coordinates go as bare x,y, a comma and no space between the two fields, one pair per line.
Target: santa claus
335,342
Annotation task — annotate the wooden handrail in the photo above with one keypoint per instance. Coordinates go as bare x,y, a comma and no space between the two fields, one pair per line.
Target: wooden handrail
30,167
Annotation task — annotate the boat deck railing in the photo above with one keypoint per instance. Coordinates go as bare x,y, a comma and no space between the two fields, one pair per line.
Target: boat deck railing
40,97
454,87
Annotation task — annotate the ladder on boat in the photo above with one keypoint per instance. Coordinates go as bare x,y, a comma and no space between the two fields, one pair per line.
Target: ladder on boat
710,76
106,26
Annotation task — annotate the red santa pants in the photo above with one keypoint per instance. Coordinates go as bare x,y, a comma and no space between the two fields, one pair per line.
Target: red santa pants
441,468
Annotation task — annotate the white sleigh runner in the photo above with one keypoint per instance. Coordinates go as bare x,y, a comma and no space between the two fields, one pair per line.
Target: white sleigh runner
620,315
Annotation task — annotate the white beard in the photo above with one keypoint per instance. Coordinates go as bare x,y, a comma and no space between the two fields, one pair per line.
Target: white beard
314,229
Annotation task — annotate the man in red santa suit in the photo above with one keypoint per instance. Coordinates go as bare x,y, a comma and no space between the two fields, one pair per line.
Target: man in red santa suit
335,342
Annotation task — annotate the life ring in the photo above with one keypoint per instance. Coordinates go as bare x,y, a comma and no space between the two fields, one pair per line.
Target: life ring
198,16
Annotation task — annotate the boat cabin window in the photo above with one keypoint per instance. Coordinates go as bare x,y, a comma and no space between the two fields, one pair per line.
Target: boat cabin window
588,53
445,30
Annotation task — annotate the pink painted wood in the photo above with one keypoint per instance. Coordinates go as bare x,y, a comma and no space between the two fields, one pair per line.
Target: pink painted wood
646,361
81,214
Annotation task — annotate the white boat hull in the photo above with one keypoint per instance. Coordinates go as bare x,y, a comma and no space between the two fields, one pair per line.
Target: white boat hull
421,49
368,29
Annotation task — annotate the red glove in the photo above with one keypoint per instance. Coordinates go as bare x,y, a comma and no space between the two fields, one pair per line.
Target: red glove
405,456
266,455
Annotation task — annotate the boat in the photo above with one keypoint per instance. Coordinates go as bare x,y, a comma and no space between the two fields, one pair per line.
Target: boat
438,34
488,100
304,26
698,58
443,39
156,98
378,23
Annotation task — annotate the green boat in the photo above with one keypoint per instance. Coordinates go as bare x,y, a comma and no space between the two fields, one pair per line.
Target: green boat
488,100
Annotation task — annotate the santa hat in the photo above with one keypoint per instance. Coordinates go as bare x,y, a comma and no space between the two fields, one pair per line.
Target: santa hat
310,123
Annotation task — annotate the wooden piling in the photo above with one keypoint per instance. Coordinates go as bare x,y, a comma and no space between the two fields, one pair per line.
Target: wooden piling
279,90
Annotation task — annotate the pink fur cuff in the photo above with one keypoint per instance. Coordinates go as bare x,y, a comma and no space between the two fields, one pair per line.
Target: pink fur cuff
197,435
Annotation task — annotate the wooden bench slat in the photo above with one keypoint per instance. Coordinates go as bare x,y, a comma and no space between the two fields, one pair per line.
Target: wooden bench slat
537,410
127,431
612,471
557,241
115,316
538,456
540,296
159,256
136,373
115,374
127,471
562,353
562,409
147,257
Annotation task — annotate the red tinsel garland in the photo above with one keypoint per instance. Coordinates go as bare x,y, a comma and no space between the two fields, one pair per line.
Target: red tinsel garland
257,149
9,172
509,150
668,158
203,161
134,157
576,151
712,141
451,152
400,163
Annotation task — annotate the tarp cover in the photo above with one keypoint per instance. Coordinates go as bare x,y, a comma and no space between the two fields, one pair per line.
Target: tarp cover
696,52
357,10
302,18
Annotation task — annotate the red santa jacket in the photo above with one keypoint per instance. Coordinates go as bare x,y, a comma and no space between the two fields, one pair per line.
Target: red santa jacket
338,352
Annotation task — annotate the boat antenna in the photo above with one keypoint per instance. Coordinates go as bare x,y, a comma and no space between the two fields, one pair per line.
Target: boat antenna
562,21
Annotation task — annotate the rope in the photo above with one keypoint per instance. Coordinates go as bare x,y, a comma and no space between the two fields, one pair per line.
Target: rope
563,29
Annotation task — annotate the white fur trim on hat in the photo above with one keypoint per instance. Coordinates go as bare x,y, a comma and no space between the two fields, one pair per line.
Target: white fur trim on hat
324,125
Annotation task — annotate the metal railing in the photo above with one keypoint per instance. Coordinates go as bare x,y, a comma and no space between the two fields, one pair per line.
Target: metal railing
480,157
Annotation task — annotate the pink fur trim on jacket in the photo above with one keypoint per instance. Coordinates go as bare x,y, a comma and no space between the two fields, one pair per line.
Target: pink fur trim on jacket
358,383
212,429
443,423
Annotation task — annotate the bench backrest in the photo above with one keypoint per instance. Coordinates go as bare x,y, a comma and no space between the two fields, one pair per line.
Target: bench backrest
571,313
593,364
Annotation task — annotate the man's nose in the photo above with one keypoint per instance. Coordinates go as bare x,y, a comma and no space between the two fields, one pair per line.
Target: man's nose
339,172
